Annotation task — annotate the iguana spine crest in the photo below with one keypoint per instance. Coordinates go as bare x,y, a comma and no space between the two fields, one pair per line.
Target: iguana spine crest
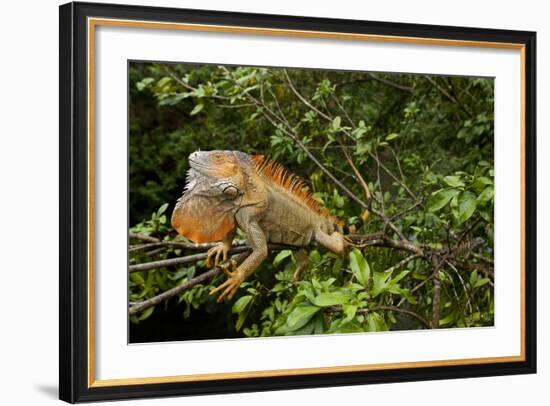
276,173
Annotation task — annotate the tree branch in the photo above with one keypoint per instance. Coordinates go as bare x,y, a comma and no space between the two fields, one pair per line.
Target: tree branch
401,263
448,95
392,84
436,300
147,266
138,307
177,244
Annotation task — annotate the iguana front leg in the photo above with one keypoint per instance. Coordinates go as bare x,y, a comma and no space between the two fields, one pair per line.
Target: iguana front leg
222,249
258,242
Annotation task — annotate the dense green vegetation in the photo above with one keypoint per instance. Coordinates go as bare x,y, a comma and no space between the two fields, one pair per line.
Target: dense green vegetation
423,144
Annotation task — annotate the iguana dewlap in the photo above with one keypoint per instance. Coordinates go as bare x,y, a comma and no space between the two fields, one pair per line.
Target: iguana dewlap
230,189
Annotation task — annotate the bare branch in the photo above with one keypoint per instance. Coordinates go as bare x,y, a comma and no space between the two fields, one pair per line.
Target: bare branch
468,293
382,205
138,307
303,99
142,237
382,240
147,266
357,174
182,245
448,95
390,173
402,262
378,79
392,84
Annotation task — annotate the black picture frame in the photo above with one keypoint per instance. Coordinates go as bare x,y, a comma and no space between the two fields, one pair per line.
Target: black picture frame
74,384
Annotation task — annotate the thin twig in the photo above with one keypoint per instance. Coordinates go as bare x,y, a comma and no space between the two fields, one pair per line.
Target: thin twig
382,197
343,110
189,87
381,239
436,299
429,278
448,95
393,84
468,294
405,211
401,263
303,100
390,173
396,309
357,174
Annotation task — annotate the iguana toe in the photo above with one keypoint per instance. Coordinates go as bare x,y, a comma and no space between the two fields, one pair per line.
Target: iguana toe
229,287
226,265
218,252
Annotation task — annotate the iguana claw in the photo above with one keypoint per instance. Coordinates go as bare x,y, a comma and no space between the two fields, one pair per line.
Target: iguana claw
229,264
220,250
230,286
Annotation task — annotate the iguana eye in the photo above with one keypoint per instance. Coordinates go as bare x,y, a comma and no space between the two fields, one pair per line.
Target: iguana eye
231,191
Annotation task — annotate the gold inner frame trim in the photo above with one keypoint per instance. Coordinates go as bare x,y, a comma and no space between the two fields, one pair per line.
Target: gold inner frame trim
94,22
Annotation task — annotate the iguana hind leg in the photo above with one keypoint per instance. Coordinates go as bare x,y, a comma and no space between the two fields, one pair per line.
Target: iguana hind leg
302,264
333,242
258,242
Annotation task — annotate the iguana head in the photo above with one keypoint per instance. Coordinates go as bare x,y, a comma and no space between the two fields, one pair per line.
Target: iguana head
218,184
223,169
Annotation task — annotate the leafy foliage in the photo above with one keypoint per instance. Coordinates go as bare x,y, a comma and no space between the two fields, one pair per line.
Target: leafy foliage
424,145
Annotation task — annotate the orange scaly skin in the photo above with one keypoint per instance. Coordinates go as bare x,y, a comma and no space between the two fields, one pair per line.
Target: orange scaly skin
230,189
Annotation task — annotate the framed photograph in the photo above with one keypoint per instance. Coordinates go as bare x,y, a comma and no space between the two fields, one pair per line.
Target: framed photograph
256,202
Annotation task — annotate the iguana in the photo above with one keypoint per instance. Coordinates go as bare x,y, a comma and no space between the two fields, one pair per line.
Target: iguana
229,189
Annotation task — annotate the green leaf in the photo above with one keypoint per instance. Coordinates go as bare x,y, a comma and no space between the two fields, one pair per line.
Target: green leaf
241,304
137,278
453,181
441,198
381,283
162,209
300,315
485,196
450,318
197,109
466,207
280,256
163,82
348,328
336,123
473,278
349,311
144,83
332,298
375,322
400,276
359,266
146,313
392,136
481,282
